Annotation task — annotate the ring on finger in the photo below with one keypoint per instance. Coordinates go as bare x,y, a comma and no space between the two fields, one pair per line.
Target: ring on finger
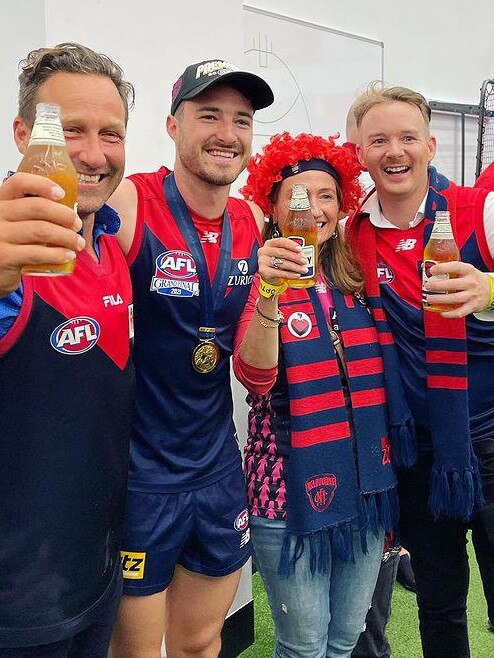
276,261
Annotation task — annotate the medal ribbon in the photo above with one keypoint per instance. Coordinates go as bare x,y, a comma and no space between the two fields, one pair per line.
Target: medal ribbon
210,297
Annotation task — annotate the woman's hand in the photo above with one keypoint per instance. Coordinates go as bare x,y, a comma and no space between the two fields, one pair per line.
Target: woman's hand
279,259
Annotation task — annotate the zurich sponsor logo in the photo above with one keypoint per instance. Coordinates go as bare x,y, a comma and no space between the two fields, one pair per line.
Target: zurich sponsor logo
175,275
242,279
75,336
241,523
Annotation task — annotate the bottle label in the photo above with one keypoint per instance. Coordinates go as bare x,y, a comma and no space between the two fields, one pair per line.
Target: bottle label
309,253
299,203
427,276
442,229
47,132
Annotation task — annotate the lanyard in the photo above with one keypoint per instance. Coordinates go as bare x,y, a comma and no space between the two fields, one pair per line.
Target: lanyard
210,297
206,355
329,309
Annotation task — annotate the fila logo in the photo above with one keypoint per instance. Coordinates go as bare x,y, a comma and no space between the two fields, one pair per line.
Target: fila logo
133,565
112,300
406,245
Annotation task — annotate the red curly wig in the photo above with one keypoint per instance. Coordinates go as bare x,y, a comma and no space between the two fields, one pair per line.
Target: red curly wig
283,149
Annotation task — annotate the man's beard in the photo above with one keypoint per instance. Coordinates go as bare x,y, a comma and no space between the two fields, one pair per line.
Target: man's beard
209,173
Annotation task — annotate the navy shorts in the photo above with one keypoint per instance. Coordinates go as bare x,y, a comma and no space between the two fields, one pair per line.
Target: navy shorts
205,531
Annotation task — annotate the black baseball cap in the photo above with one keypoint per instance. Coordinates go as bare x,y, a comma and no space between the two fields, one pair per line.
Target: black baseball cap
198,77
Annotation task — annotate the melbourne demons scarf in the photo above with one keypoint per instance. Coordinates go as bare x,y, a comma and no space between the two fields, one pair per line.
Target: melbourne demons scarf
339,469
456,488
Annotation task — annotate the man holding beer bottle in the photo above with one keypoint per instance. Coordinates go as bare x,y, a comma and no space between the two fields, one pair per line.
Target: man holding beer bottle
446,358
192,252
65,370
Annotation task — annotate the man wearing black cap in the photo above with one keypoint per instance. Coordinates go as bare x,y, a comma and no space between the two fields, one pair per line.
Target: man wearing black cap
192,252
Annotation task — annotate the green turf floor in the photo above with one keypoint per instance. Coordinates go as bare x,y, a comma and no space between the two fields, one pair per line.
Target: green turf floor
403,626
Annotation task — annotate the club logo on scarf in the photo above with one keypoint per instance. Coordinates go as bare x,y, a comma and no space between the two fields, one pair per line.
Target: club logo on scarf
299,324
173,274
384,273
321,489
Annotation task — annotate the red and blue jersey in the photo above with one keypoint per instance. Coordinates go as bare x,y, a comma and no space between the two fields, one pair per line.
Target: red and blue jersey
486,178
399,263
184,436
65,417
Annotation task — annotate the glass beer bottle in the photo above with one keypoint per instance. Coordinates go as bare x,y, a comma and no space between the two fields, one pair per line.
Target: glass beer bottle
300,226
47,155
441,248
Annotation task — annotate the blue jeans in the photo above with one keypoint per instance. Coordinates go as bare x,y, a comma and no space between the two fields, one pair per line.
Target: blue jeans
373,641
318,616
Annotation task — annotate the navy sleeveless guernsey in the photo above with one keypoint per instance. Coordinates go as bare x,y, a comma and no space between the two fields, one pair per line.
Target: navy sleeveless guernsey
65,414
184,437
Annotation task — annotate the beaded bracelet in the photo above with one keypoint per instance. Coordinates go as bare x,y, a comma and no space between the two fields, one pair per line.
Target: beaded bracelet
490,304
276,321
269,290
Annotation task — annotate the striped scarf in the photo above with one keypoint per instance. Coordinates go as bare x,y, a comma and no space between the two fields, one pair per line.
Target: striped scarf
339,469
456,488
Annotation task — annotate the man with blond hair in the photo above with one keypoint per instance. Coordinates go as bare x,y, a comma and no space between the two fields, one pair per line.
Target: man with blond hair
446,358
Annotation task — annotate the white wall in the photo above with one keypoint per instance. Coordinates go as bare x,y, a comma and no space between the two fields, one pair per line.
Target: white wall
19,33
442,49
151,43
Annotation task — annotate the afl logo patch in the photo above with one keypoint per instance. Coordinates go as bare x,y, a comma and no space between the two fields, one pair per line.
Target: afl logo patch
384,273
176,264
175,275
75,336
242,521
299,324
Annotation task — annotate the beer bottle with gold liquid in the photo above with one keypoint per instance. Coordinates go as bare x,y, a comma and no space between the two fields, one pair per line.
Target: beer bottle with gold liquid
441,248
47,155
300,226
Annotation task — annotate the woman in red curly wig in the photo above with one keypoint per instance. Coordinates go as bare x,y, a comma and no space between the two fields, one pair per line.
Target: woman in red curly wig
321,487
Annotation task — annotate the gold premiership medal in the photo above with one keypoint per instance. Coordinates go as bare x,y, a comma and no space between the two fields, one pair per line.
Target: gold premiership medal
205,356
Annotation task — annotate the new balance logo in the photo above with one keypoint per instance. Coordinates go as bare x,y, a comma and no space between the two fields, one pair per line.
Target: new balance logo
210,236
406,245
